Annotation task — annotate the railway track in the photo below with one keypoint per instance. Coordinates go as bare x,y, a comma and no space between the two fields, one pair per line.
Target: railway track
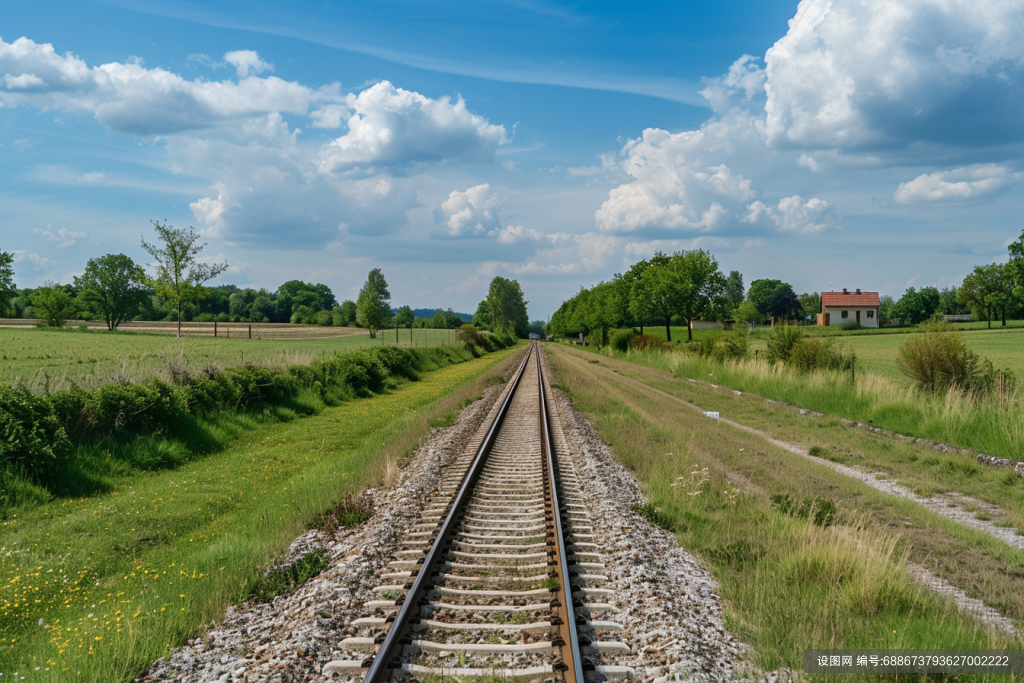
502,576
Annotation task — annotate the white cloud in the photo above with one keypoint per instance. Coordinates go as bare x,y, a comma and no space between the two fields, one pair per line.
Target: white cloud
961,184
671,189
390,126
129,98
247,62
40,262
472,213
63,237
796,215
517,234
856,73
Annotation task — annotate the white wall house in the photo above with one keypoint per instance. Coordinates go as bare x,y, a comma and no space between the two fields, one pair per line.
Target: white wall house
841,308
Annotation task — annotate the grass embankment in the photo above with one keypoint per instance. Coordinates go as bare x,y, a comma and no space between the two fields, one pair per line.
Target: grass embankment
53,359
121,578
887,402
789,583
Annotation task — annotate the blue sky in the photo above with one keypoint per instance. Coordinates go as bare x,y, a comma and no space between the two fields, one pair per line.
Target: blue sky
831,143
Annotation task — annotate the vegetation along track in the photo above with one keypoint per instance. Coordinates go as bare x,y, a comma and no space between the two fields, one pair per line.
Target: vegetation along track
502,576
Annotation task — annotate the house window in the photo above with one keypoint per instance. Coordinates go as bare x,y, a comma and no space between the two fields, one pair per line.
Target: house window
871,314
845,314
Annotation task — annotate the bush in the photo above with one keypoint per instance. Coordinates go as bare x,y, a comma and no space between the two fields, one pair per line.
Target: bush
720,347
32,439
781,343
850,326
622,339
468,335
939,360
819,354
648,342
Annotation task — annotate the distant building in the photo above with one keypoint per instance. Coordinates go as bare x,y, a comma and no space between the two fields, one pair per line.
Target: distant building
841,308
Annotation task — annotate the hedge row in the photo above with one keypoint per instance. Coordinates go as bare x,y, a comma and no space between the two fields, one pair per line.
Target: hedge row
38,433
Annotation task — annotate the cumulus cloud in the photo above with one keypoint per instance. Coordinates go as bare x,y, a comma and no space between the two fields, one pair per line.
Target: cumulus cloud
247,62
961,184
860,73
129,98
390,126
63,237
472,213
670,188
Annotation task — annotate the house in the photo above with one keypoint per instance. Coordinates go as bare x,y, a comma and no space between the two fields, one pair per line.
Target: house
842,308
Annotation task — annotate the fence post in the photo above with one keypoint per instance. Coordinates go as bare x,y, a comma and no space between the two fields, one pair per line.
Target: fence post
1002,389
250,331
214,329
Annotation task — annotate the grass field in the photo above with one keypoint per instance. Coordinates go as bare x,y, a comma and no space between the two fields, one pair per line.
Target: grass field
787,582
44,358
96,588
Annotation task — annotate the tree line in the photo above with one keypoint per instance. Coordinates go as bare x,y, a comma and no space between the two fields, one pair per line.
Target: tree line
115,289
688,285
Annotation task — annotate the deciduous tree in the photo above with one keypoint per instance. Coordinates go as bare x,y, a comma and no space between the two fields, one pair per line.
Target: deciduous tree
373,307
179,274
114,287
7,288
53,304
507,307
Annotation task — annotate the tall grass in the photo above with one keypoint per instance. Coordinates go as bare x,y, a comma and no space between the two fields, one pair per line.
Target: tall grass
954,417
788,582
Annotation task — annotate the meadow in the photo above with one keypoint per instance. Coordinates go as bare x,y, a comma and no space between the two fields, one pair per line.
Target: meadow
805,557
49,359
96,587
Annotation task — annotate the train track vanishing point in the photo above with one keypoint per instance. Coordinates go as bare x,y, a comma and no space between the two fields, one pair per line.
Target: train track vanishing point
502,575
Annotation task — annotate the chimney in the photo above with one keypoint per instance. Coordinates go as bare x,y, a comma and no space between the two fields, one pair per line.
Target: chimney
845,291
858,291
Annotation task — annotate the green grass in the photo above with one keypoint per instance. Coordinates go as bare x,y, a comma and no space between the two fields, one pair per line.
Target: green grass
121,578
749,508
45,358
882,400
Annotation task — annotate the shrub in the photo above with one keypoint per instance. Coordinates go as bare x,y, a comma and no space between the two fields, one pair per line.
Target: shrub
720,347
939,360
819,354
850,326
324,318
648,342
32,439
468,335
781,343
622,339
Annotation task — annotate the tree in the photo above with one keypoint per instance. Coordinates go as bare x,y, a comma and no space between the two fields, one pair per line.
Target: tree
179,275
7,289
482,317
114,287
747,312
734,287
987,287
761,291
507,307
373,307
810,304
887,307
917,306
656,292
700,289
405,317
784,304
53,304
438,321
347,313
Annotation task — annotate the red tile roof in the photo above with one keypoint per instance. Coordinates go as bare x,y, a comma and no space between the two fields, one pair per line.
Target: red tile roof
834,299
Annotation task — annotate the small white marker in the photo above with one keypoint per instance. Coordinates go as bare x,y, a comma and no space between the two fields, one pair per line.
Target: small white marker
713,416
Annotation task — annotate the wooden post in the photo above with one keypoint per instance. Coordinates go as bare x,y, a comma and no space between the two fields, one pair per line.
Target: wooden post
1002,389
215,329
853,371
250,331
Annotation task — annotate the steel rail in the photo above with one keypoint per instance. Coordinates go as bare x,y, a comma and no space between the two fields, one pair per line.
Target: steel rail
408,613
571,648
